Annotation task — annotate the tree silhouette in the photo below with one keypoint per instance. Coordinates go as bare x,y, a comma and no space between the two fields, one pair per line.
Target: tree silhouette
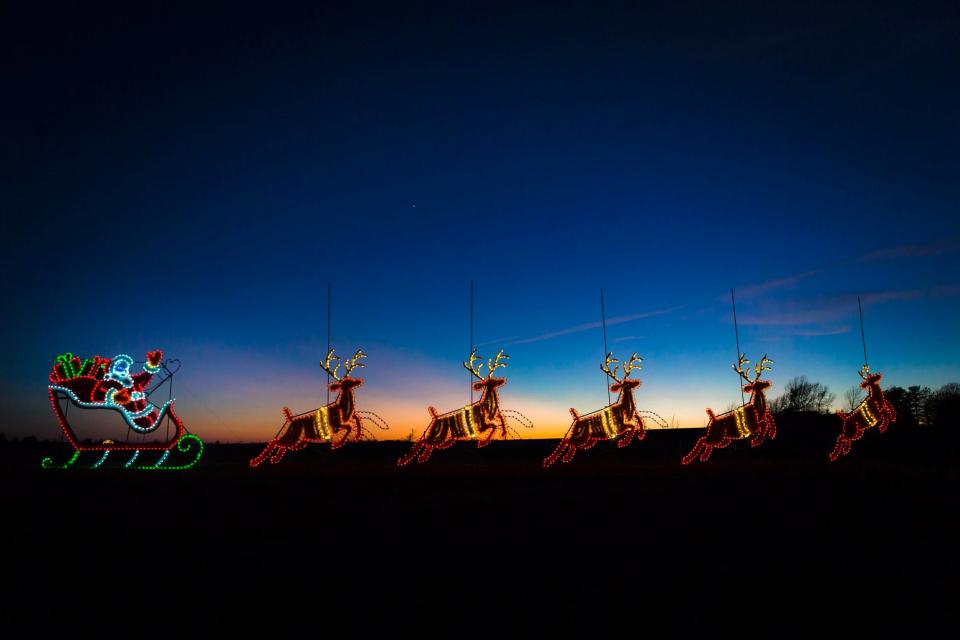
802,395
916,403
852,398
897,397
943,406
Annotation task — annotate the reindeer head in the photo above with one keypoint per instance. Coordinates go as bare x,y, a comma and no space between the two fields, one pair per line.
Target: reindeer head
490,383
346,383
869,379
756,385
626,383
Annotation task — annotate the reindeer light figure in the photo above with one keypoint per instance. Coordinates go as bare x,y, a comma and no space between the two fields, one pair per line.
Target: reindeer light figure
874,411
749,421
472,421
618,421
321,425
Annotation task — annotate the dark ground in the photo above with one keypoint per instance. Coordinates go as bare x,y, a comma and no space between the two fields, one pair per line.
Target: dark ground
487,541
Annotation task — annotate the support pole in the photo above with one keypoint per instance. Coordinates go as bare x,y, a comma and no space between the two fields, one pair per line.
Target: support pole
603,321
736,333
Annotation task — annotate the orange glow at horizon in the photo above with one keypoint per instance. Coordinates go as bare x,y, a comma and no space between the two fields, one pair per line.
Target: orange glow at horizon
407,420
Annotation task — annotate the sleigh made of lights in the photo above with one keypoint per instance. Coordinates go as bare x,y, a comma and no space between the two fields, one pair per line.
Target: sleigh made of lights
106,384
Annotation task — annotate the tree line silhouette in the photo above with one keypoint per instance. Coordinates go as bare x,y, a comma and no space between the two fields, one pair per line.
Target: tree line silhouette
915,405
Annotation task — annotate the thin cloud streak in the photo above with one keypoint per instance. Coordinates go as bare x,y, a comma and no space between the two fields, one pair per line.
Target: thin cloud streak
792,318
902,251
750,291
912,251
595,325
507,340
812,333
833,309
944,291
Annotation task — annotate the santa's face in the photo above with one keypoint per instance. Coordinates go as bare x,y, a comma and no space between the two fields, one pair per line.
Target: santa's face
120,371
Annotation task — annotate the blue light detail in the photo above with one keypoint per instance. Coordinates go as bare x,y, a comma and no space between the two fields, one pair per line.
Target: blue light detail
128,416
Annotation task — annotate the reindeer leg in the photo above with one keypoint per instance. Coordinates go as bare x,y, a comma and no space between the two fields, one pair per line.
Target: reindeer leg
405,460
550,459
425,453
256,462
569,453
698,445
346,434
278,454
492,427
841,447
416,448
626,436
707,452
482,442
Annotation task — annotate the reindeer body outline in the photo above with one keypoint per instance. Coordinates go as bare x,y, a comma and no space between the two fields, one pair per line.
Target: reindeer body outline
751,421
618,421
322,424
467,423
873,411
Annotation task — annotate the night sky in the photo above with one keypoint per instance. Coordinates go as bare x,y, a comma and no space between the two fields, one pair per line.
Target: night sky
192,179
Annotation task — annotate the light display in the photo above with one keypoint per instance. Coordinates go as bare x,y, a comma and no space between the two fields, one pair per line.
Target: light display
619,421
327,423
751,421
874,411
479,421
102,383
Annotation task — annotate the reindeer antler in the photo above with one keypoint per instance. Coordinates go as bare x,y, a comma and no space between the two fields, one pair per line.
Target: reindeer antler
354,362
742,360
493,363
864,371
762,366
325,365
469,365
605,367
629,366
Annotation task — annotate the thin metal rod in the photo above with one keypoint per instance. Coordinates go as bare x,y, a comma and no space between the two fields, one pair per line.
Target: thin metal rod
736,333
169,398
603,321
329,315
863,338
469,375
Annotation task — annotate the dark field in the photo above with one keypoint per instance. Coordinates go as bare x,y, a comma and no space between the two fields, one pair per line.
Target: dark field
486,540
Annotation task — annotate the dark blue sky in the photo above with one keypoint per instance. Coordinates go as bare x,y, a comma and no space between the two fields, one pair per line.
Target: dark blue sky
191,180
